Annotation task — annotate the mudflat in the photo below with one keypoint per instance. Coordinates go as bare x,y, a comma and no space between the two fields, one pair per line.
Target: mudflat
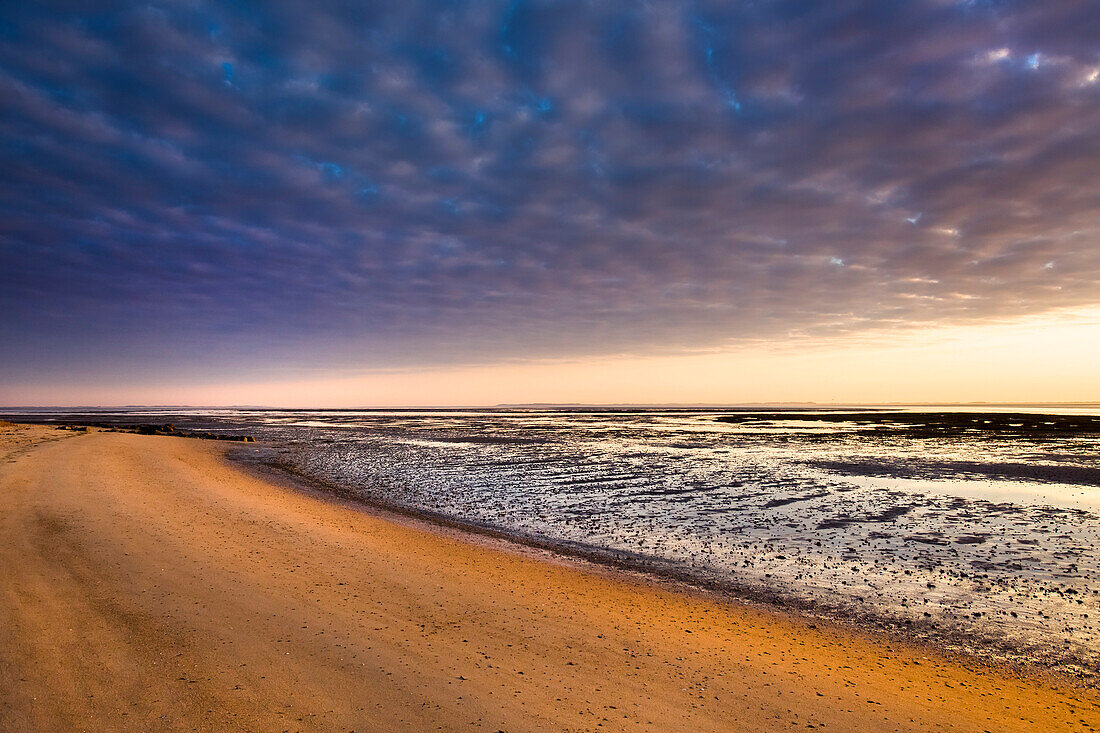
146,583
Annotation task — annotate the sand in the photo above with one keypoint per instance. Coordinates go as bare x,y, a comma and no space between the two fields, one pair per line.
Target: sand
148,584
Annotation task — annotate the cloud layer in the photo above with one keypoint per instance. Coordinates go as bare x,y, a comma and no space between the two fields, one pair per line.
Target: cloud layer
379,184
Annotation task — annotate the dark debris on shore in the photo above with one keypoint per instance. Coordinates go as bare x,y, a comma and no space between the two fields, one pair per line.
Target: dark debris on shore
938,424
153,429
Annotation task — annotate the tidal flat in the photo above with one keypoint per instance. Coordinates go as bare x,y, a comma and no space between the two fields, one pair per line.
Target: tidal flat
975,530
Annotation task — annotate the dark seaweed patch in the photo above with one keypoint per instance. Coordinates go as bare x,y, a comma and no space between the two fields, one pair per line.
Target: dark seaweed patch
936,424
928,469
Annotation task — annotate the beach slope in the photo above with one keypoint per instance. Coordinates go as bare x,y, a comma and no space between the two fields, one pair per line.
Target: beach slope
148,584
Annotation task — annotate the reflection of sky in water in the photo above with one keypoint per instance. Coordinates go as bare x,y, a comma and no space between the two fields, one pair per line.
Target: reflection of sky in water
992,535
1022,492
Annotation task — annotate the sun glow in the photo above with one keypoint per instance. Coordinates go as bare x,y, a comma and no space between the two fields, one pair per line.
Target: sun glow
1053,357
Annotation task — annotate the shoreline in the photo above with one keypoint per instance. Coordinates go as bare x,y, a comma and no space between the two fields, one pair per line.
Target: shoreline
968,649
209,597
965,644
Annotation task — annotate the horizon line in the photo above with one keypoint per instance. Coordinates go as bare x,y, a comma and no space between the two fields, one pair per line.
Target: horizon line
562,405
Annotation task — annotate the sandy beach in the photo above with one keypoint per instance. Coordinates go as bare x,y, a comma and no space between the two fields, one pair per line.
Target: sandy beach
148,584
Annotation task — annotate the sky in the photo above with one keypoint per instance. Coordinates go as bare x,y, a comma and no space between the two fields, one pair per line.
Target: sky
346,203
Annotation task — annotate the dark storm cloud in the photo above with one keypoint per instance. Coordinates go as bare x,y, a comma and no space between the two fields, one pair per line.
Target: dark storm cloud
379,183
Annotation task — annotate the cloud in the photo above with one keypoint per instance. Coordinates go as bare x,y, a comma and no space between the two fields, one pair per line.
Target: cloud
344,183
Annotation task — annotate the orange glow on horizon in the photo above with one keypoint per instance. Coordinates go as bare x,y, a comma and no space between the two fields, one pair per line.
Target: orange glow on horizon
1052,358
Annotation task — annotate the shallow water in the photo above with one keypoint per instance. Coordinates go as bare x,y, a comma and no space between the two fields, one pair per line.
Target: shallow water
984,540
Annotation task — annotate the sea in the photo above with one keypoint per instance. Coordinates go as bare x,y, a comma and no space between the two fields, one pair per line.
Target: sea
973,528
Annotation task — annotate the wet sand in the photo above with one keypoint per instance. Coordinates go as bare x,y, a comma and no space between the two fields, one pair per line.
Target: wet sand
148,584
